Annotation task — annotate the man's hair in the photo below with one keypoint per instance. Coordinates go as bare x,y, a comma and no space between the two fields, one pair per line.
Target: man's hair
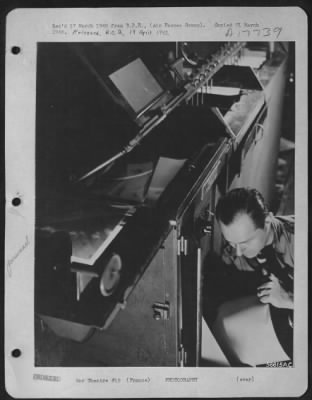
242,201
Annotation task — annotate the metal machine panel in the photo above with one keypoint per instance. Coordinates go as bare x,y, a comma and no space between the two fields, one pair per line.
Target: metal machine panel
195,228
145,331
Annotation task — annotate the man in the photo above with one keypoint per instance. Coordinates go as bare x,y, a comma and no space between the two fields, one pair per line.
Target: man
262,246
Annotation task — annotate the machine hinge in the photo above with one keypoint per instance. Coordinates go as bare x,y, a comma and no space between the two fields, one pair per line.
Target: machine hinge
182,246
161,311
182,356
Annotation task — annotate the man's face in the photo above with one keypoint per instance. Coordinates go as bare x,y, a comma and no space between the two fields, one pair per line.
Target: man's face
244,236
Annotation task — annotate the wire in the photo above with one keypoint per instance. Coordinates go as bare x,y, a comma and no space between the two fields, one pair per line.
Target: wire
124,178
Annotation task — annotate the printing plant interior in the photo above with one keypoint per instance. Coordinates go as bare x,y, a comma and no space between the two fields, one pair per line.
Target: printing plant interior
164,204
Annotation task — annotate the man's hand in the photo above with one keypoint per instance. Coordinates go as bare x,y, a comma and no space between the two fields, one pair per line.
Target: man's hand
272,292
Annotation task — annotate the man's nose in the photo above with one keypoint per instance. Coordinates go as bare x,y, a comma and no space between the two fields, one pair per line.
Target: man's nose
238,250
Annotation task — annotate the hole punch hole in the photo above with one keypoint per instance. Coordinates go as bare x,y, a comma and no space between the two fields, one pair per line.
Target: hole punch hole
16,353
16,201
15,50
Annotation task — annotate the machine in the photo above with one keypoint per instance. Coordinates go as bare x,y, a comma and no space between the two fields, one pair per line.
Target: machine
135,142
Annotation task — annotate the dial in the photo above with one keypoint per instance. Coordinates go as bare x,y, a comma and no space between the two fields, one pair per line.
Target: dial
111,275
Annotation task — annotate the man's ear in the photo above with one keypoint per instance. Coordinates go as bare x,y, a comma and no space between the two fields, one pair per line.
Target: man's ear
268,220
